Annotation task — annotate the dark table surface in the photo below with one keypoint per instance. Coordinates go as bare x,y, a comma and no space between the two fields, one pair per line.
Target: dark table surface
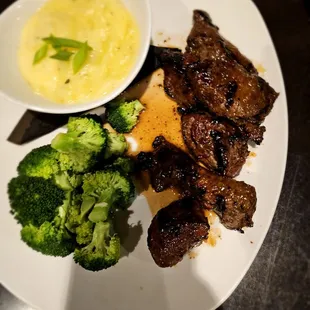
279,278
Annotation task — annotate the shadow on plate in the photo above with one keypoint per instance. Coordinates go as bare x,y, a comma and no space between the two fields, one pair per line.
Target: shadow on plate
136,282
135,285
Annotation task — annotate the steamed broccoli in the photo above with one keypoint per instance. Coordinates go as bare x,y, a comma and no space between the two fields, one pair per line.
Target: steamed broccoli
82,145
84,232
79,212
40,162
44,162
123,116
111,189
123,164
51,238
47,240
103,192
62,209
103,251
34,200
67,180
116,145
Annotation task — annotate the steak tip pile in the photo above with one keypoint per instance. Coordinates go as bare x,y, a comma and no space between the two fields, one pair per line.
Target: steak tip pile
234,201
223,102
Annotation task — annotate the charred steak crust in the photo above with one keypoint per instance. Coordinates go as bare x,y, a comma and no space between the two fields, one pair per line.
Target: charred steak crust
217,47
175,230
213,75
234,201
211,81
218,144
218,70
176,83
168,167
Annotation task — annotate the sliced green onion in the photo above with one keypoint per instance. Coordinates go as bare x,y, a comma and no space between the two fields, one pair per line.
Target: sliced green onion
40,54
62,55
80,58
57,42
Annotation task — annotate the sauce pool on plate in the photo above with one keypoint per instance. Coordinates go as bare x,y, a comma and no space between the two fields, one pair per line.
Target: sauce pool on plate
107,27
160,117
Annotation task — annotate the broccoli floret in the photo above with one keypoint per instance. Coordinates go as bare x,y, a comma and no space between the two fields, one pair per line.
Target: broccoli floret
47,240
84,233
34,200
67,180
51,238
78,212
73,220
123,164
116,145
75,180
124,116
103,251
82,145
103,192
110,187
40,162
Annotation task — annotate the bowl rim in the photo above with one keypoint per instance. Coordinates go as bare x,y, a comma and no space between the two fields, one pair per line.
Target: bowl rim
83,107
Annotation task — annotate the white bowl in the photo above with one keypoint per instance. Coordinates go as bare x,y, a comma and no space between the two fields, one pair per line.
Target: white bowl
15,88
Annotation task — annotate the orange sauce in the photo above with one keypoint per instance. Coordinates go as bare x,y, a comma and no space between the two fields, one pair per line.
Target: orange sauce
192,254
211,216
215,232
160,116
214,236
260,69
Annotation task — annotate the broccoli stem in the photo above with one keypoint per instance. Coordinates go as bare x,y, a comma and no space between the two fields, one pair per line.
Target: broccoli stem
101,236
65,142
62,180
63,210
99,213
87,204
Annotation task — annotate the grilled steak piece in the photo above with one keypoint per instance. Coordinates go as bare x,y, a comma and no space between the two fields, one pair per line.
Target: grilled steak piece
175,230
205,43
228,90
254,132
222,78
168,166
218,144
176,84
234,201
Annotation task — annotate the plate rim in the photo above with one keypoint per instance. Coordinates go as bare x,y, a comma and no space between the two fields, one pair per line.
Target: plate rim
264,232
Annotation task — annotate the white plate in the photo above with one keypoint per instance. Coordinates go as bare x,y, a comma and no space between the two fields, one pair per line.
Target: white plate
136,282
